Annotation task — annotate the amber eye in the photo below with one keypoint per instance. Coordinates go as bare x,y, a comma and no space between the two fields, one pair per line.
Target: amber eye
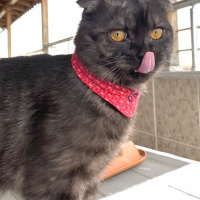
157,33
118,35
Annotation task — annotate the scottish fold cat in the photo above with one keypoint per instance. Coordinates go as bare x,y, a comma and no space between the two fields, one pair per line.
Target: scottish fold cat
63,118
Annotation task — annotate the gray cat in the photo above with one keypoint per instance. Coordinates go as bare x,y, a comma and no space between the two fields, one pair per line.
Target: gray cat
63,118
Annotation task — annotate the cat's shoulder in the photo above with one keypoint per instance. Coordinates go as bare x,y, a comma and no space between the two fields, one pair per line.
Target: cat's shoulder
37,67
35,60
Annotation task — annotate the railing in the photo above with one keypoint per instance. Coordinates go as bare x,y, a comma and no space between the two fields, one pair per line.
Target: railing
50,45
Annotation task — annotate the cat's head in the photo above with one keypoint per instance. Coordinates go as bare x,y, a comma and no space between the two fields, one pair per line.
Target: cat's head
114,36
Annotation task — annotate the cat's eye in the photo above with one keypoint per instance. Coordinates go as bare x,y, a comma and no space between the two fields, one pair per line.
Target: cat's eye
157,33
118,35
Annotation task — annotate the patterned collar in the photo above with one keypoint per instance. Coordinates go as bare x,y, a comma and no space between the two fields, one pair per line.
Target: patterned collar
123,99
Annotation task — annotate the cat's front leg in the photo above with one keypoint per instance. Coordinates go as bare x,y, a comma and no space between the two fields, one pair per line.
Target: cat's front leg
69,186
41,187
91,192
88,193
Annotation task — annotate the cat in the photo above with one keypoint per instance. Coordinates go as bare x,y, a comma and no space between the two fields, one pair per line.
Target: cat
58,132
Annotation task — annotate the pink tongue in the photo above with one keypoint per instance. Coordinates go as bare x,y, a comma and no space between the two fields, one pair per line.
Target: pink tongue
148,63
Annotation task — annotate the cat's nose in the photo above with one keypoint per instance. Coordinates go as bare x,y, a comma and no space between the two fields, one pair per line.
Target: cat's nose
140,55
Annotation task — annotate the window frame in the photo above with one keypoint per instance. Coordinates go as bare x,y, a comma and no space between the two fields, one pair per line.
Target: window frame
194,30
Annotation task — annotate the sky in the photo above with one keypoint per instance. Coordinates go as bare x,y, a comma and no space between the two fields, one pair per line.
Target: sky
27,31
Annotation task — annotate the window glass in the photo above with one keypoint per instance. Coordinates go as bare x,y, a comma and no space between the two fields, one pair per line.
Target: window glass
198,14
198,60
198,32
198,37
185,59
183,18
184,40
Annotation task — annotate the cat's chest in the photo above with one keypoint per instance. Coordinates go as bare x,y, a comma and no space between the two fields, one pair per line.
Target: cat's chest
100,119
89,117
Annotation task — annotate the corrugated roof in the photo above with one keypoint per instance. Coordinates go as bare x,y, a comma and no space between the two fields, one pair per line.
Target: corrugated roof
16,7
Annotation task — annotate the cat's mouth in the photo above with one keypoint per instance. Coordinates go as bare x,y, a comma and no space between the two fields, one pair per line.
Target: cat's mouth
144,67
148,63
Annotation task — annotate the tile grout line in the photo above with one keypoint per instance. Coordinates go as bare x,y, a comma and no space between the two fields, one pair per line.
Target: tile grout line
154,114
198,101
145,132
169,139
179,142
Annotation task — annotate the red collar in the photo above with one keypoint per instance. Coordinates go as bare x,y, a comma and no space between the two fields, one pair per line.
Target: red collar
123,99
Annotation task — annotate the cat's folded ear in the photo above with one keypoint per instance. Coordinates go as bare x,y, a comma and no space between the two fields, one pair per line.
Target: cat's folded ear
88,5
167,4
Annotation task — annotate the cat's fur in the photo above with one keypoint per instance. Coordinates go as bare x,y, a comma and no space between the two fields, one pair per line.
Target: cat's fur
56,135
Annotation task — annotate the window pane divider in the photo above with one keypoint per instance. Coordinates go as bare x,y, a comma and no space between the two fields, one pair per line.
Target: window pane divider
181,50
194,37
183,4
184,29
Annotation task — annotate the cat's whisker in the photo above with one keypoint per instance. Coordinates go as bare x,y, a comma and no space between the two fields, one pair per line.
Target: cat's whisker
90,95
116,77
108,61
119,76
108,72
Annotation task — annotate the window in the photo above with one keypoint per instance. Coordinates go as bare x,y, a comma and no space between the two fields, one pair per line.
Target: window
187,40
198,33
184,37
